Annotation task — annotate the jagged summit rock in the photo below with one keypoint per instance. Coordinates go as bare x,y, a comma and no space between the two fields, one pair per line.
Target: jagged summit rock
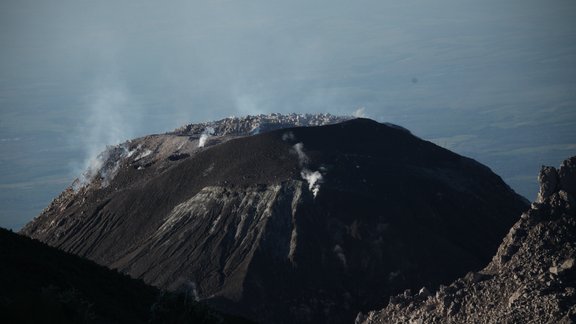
531,279
305,224
251,125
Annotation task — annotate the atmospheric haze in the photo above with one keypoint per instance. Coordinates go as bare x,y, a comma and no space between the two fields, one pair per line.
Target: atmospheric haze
493,80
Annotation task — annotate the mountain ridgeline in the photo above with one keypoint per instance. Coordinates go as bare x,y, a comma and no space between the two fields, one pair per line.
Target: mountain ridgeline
285,224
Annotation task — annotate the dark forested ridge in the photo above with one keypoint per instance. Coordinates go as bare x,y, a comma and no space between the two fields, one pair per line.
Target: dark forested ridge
40,284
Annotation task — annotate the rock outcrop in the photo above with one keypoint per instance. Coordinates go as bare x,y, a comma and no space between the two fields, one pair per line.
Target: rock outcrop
531,279
306,224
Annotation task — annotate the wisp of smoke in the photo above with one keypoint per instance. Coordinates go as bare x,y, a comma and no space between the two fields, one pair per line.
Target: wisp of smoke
314,179
205,135
288,137
340,254
359,113
202,140
104,166
104,126
299,150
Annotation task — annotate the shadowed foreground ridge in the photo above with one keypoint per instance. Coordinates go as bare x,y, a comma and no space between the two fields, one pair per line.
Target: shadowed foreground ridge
306,224
40,284
531,279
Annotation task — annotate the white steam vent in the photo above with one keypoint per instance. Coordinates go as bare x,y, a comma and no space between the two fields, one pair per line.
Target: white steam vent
314,178
205,135
302,157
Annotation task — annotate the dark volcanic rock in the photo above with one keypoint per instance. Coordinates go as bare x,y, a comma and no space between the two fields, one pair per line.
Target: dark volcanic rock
310,224
531,279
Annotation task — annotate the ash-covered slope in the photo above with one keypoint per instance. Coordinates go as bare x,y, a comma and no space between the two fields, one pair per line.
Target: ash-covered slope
310,224
532,278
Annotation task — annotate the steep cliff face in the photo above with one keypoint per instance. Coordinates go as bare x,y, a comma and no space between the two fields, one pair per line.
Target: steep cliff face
531,279
230,223
308,224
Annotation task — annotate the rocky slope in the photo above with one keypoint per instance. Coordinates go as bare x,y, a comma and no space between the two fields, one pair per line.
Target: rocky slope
307,224
531,279
41,284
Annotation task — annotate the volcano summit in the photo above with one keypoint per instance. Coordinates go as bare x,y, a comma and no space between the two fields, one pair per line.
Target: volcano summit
279,223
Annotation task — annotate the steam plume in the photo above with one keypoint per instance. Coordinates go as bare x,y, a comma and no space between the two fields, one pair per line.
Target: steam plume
302,157
101,132
205,135
359,113
314,178
288,136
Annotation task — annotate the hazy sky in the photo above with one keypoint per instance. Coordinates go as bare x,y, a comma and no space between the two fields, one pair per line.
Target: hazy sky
491,79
